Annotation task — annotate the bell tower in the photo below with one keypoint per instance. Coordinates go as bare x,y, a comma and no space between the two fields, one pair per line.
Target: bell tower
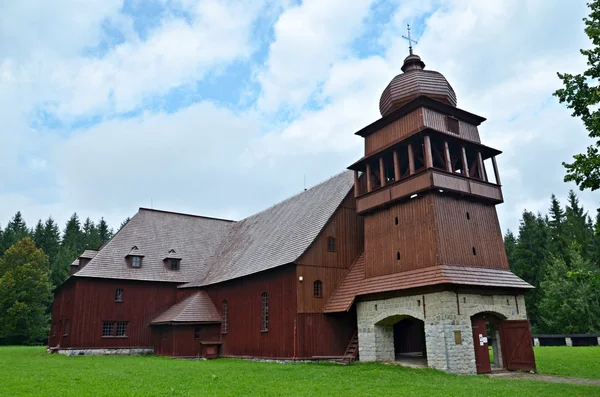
433,277
426,186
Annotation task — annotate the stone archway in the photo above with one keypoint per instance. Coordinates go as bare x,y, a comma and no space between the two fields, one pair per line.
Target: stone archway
394,336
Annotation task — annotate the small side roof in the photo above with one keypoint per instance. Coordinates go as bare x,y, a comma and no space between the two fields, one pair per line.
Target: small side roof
197,308
279,235
89,254
355,283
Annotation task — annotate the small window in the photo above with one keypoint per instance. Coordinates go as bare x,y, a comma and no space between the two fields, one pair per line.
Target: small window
66,330
136,261
452,125
119,295
107,328
468,215
225,318
330,244
197,333
122,328
318,289
474,251
396,221
174,263
264,312
398,255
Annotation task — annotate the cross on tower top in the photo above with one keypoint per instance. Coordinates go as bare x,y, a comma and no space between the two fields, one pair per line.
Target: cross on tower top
410,40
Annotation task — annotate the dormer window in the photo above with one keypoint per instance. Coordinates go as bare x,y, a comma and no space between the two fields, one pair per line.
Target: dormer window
172,261
136,261
134,258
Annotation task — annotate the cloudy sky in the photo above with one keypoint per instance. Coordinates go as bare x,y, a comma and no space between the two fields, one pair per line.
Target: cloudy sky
221,108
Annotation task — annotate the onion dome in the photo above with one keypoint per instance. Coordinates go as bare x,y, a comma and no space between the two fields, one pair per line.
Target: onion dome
414,82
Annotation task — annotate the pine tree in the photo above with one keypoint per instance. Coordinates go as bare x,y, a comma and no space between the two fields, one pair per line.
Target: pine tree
25,294
61,268
104,232
531,256
556,222
91,235
73,236
510,245
50,242
16,229
577,230
571,298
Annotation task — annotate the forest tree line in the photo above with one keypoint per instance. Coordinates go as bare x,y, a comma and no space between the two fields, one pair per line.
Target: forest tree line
34,261
559,254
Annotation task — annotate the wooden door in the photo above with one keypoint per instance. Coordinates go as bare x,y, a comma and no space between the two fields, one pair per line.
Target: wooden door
480,341
517,345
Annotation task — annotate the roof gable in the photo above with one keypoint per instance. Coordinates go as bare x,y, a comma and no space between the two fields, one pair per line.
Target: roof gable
278,235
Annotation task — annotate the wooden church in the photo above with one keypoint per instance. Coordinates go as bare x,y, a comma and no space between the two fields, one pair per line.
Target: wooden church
398,258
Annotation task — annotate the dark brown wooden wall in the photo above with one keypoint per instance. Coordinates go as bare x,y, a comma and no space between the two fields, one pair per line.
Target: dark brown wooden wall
432,230
179,341
95,303
457,235
330,267
62,309
411,123
325,334
414,237
392,132
243,295
330,277
437,121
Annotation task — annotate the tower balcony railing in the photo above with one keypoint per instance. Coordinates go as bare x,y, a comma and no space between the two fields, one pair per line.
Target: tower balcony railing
429,179
420,165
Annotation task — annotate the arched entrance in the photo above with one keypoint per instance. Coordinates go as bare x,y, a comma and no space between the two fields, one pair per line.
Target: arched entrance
407,335
487,341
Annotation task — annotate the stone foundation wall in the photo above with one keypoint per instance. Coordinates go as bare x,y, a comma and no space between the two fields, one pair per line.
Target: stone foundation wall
103,352
443,319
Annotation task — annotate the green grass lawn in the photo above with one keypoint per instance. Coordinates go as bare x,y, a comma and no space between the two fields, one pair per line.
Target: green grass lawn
581,362
30,371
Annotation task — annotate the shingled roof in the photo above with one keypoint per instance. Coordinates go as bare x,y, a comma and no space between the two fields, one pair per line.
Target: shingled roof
355,283
194,238
197,308
278,235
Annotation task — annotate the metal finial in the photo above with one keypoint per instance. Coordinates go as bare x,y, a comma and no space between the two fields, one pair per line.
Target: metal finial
410,40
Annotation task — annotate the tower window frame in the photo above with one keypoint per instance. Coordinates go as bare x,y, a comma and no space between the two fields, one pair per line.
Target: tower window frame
318,289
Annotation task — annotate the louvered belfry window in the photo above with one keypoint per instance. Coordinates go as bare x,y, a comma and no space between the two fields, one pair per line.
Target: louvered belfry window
318,289
225,318
264,312
452,125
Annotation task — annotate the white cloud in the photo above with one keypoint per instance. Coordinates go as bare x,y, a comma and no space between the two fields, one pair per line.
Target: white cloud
308,39
500,56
